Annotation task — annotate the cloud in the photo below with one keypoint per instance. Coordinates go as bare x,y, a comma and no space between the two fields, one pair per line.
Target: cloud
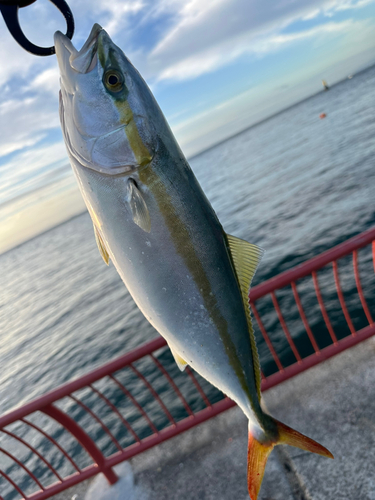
29,91
48,81
211,34
340,5
15,62
20,143
311,15
215,123
275,42
25,121
206,24
330,7
32,168
29,106
119,11
34,213
227,51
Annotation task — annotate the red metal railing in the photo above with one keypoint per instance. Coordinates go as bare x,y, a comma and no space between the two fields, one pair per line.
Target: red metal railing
310,269
141,399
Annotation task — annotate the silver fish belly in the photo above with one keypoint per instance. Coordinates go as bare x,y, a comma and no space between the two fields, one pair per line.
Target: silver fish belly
180,273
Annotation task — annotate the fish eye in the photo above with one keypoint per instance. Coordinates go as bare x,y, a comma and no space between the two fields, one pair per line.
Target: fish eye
113,80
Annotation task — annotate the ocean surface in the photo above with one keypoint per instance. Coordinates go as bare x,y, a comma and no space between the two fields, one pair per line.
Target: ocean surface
294,184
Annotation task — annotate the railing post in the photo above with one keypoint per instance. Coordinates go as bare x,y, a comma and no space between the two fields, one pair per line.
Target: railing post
83,438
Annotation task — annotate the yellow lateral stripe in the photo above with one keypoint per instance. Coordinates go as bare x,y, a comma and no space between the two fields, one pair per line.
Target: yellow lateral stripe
185,248
141,153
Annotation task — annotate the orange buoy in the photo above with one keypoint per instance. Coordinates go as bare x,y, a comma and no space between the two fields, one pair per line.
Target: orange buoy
322,115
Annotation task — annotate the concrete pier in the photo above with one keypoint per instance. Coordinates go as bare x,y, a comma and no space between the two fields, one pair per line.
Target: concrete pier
334,403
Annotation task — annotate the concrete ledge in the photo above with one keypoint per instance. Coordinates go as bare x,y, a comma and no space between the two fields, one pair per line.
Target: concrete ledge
333,403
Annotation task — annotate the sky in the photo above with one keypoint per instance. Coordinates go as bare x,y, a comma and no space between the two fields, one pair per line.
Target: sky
215,66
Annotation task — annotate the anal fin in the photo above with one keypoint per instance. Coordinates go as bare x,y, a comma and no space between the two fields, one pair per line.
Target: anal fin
181,363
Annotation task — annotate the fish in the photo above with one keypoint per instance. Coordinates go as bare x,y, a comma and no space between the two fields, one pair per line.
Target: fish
151,218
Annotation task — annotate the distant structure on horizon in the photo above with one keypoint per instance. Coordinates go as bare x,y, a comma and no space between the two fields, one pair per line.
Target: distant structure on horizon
325,85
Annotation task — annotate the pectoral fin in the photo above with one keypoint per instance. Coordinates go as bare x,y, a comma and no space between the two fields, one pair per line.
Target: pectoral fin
138,207
246,258
101,245
181,363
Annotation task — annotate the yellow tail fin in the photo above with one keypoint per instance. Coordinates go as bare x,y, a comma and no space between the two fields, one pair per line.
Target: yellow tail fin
258,453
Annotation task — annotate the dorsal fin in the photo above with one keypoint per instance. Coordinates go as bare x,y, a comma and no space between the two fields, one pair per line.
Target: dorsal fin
246,258
101,245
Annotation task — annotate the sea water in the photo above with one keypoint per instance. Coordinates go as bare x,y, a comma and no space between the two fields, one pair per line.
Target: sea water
294,184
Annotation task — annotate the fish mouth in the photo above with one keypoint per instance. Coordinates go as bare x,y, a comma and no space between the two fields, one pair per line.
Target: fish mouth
82,61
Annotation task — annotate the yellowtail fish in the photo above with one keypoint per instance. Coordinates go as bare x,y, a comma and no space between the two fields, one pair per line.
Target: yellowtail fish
151,218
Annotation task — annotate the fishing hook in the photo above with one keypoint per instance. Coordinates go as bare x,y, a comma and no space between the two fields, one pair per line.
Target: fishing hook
9,10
